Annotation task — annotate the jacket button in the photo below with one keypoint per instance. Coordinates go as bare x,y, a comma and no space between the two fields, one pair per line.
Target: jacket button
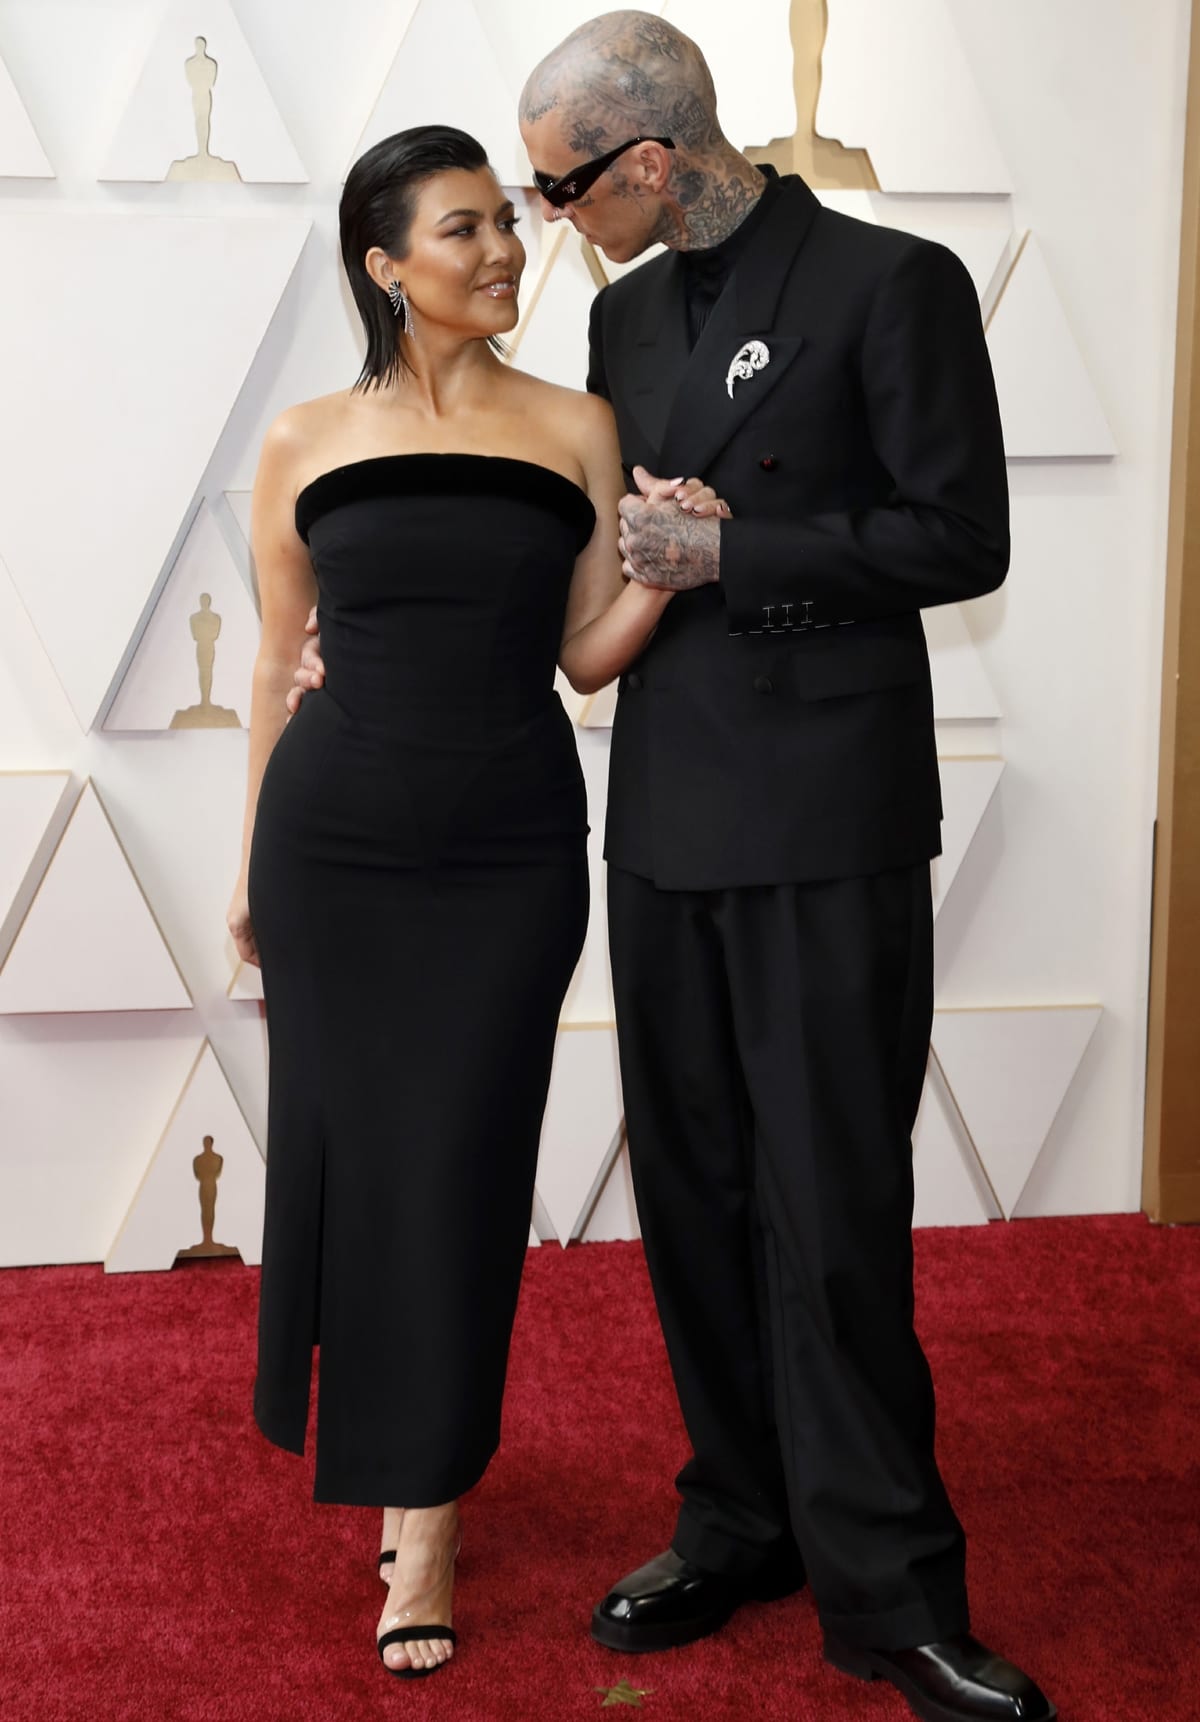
768,463
763,685
633,681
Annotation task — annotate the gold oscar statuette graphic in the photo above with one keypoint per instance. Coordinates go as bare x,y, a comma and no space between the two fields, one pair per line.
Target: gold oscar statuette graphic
207,1168
201,71
206,626
826,164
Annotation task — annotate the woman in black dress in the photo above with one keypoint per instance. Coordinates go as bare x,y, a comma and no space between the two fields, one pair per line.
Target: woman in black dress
416,880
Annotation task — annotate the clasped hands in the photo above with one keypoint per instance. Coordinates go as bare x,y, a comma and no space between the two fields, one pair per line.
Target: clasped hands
671,532
670,539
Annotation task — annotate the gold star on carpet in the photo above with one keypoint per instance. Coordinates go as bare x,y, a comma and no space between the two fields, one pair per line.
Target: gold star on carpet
623,1694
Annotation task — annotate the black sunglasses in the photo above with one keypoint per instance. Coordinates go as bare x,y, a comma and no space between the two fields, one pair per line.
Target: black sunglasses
571,185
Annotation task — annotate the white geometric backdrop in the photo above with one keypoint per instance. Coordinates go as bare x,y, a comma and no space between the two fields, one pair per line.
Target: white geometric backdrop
151,327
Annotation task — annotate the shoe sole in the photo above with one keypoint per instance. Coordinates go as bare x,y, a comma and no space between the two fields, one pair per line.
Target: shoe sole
864,1665
670,1635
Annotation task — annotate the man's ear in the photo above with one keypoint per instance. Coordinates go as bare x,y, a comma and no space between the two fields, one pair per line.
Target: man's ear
655,164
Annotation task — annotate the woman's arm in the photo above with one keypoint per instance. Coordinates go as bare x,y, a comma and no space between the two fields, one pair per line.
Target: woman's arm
287,590
608,623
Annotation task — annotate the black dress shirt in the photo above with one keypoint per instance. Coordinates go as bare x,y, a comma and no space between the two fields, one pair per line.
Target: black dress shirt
706,272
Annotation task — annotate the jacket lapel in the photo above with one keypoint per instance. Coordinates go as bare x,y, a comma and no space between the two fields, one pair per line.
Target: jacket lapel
660,354
704,414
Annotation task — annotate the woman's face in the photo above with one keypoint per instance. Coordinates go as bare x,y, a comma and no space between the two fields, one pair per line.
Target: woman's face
464,261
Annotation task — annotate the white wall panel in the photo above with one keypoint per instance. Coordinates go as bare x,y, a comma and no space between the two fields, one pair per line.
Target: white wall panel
949,1185
237,123
749,49
21,155
1048,402
896,82
165,1216
445,73
583,1123
204,618
89,941
1008,1072
85,571
29,802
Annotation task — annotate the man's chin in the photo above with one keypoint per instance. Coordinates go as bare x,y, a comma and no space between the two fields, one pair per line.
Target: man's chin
620,251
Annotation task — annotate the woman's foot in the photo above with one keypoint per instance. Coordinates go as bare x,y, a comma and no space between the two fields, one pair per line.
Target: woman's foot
393,1518
422,1588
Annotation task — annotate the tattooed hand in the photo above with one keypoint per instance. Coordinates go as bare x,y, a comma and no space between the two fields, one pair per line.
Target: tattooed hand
662,544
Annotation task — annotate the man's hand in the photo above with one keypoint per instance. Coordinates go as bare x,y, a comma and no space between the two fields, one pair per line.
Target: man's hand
311,673
671,533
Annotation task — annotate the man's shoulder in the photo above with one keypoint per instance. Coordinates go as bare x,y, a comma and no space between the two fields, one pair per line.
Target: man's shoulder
873,243
848,244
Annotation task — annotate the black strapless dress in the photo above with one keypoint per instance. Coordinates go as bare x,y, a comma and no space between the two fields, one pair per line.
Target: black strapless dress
419,891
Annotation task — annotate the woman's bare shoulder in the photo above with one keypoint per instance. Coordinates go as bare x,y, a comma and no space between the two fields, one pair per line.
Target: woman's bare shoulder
298,428
579,420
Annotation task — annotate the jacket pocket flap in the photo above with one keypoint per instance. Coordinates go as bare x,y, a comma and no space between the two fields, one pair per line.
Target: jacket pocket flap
824,665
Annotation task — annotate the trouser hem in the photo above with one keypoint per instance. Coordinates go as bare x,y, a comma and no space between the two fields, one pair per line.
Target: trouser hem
717,1552
927,1621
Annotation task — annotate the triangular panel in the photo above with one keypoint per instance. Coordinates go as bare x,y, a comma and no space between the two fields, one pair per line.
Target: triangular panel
149,277
194,664
203,1188
21,155
896,82
575,705
29,802
614,1212
961,689
599,708
246,983
36,720
1048,402
967,787
542,259
581,1131
445,72
553,340
239,506
90,941
756,94
1009,1071
950,1187
522,35
200,109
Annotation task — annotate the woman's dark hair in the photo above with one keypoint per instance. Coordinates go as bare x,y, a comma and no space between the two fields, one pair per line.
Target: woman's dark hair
377,208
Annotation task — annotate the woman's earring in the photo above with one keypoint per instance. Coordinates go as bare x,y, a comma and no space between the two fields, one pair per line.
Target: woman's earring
400,305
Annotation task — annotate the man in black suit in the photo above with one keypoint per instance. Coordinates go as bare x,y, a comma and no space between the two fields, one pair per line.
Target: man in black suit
773,808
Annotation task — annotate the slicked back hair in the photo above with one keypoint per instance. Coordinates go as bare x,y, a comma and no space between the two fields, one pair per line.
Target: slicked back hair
377,208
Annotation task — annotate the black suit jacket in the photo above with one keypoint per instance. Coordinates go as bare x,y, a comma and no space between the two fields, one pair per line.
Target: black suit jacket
779,726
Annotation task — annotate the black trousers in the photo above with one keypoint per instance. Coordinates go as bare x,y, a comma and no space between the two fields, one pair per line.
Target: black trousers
773,1044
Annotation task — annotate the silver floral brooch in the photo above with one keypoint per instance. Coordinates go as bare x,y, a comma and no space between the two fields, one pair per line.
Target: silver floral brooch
752,356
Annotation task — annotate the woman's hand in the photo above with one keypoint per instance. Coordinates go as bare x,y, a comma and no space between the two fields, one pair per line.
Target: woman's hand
696,497
311,672
238,921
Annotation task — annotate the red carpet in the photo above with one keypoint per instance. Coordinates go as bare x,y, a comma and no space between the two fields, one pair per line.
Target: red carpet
160,1561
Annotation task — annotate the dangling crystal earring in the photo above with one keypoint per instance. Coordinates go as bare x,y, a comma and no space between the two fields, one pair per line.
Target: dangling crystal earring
400,305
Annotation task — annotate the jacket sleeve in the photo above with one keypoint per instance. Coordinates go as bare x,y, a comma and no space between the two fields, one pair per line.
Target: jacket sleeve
597,381
933,421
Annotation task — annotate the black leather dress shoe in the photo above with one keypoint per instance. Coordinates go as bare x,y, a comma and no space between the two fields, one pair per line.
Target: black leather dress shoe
670,1602
956,1680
